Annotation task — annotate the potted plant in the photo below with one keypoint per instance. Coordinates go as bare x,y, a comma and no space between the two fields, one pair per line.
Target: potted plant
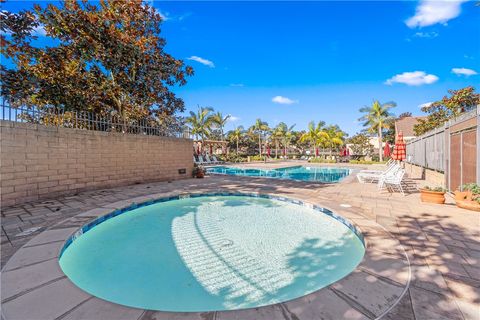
432,195
199,171
469,197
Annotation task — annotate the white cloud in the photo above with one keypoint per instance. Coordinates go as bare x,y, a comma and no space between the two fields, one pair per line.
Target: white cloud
237,85
425,105
464,72
202,61
233,118
430,12
283,100
39,31
432,34
415,78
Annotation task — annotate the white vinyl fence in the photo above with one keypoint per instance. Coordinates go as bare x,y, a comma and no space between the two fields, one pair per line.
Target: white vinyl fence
428,151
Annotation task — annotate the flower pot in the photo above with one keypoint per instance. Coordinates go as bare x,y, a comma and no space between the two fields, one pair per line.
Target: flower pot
463,195
200,174
432,196
469,205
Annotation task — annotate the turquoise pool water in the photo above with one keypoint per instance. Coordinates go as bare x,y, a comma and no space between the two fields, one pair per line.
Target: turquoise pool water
300,173
212,253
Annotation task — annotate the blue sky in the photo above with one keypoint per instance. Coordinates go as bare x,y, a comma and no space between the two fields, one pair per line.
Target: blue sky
302,61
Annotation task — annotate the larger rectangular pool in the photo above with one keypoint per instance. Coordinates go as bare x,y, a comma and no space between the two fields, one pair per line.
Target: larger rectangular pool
298,173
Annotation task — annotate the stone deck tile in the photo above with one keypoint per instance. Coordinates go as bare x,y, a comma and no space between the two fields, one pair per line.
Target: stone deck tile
99,309
64,296
380,292
325,305
431,305
20,281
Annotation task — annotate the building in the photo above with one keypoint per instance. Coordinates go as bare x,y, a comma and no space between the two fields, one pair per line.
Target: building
405,125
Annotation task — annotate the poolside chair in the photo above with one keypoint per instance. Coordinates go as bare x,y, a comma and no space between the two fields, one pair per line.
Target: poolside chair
195,160
216,160
374,175
392,181
389,166
209,160
201,160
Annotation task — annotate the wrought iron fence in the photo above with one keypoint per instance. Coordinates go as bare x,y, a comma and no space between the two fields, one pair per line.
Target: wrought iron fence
169,127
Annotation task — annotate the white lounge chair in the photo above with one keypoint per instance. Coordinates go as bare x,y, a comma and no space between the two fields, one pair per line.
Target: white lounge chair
201,160
390,163
392,180
216,160
209,160
195,160
373,175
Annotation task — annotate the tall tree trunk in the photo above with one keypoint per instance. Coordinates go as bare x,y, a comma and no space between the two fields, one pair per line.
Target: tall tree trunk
276,148
260,144
380,144
237,146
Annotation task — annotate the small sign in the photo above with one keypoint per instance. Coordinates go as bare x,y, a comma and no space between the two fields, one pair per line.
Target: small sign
182,171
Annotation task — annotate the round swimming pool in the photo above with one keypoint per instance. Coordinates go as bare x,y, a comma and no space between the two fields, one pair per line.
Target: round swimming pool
211,253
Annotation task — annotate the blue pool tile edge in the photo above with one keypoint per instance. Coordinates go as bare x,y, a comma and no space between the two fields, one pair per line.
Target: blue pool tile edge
90,225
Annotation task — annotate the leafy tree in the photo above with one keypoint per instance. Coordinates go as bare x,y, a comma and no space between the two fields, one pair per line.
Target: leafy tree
201,122
109,58
376,118
260,128
361,144
439,112
404,115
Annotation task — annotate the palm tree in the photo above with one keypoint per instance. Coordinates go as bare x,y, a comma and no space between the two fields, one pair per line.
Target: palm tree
287,137
236,135
201,122
376,118
220,121
314,134
259,128
334,137
278,134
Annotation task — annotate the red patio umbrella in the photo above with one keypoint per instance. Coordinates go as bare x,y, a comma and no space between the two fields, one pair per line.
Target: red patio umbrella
268,151
400,152
386,150
316,152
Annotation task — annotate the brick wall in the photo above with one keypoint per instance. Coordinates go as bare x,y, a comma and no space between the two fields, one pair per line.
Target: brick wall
40,162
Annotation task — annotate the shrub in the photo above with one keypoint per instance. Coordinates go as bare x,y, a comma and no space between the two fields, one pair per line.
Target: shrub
321,160
232,157
435,189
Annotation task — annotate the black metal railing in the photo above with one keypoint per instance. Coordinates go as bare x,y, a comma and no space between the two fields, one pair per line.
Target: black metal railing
86,120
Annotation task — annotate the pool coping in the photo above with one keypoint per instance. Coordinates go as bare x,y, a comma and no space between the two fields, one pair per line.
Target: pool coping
394,277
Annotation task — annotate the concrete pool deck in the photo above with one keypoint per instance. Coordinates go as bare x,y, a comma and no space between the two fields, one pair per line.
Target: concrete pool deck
441,242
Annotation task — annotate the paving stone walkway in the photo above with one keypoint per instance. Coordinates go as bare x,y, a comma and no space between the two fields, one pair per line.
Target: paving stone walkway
442,241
